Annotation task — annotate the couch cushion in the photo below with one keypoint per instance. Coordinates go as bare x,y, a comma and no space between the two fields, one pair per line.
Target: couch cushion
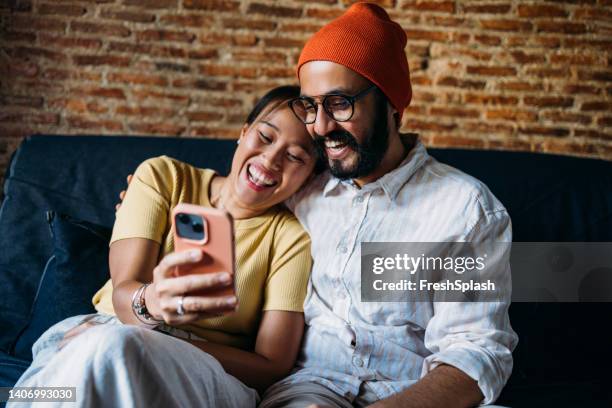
77,175
75,271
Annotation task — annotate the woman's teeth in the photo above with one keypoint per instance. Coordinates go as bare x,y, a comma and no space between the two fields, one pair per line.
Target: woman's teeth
259,178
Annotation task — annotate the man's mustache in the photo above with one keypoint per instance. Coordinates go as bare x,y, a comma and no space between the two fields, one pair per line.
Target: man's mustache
337,136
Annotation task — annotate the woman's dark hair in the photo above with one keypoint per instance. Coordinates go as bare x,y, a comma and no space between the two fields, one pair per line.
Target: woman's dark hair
278,94
283,94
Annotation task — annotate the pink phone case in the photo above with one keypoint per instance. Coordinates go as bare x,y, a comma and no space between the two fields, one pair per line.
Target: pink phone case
218,244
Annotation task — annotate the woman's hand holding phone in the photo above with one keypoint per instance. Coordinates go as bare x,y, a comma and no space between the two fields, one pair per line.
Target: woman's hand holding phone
162,297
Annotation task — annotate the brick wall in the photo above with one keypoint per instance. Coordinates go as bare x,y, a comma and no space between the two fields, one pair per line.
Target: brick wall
506,74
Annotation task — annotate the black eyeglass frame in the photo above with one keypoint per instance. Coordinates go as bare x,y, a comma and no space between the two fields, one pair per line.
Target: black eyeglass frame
351,98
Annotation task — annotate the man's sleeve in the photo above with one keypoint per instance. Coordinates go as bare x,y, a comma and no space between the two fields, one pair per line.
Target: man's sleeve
476,337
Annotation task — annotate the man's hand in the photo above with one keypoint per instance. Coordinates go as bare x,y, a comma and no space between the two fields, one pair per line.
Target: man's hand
122,193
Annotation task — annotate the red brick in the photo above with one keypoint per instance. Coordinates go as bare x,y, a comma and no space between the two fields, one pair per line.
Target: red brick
36,23
382,3
549,72
279,11
596,106
486,99
592,134
259,56
520,86
605,121
488,128
145,111
137,78
86,123
114,93
420,80
587,43
22,68
300,27
165,35
486,8
152,4
189,20
29,118
545,131
517,145
573,59
530,11
561,116
511,114
96,60
157,128
199,84
204,53
68,42
548,101
221,102
113,30
437,21
427,35
204,116
561,27
212,38
131,16
437,6
581,89
506,25
28,53
324,14
229,71
146,94
487,39
434,126
16,36
455,112
21,100
491,71
278,72
213,5
62,9
455,141
461,83
598,13
215,132
595,75
284,42
524,58
241,23
170,66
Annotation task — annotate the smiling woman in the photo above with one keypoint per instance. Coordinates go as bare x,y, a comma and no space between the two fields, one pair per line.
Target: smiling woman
219,353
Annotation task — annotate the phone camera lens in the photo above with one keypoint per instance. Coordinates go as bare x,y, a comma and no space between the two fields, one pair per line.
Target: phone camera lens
183,218
197,227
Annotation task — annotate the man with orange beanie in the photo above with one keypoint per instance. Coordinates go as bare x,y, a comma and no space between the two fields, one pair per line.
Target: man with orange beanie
382,186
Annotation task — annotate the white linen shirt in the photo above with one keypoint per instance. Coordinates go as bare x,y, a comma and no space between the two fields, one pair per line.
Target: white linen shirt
391,345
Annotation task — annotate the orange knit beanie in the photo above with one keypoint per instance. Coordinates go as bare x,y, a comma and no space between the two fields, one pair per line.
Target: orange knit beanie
367,41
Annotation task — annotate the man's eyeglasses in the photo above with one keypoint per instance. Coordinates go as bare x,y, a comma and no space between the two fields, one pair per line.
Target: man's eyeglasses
338,106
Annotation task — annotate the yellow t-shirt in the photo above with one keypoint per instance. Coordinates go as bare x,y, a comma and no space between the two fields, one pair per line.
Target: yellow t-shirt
272,250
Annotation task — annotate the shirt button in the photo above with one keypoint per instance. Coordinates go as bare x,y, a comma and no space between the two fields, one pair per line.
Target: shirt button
359,199
343,249
358,361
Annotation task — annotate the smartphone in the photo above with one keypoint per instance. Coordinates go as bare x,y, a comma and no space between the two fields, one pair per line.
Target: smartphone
209,229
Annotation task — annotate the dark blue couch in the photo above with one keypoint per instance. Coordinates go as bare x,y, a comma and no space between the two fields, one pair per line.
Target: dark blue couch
564,353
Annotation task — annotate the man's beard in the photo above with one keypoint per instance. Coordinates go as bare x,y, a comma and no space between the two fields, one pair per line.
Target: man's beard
369,153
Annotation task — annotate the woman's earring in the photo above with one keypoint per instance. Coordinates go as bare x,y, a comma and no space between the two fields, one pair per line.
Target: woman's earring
238,141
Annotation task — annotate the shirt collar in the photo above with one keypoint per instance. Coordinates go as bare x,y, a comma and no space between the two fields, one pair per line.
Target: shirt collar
393,181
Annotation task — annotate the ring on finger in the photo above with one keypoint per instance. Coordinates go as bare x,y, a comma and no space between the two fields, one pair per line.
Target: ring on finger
180,309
